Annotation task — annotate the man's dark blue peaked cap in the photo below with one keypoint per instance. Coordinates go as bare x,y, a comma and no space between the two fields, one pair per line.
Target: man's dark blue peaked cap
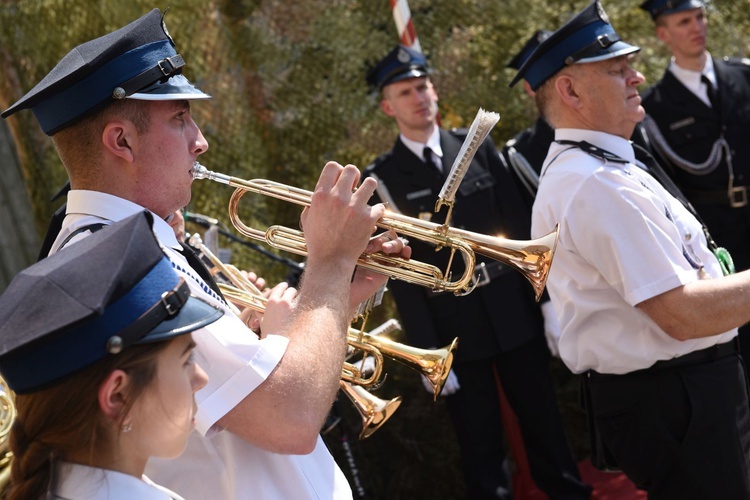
529,47
657,8
587,37
401,63
138,61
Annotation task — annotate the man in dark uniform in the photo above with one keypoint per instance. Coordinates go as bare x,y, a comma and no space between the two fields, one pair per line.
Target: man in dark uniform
499,324
523,155
699,124
525,152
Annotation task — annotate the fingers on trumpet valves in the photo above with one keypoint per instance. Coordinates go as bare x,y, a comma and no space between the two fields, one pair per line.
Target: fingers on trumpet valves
390,243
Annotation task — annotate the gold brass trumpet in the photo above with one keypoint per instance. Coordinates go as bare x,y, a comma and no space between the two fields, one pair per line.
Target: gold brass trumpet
7,417
373,410
242,292
532,258
434,364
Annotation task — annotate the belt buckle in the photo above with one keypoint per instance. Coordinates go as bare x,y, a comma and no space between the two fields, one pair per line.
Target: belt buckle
481,275
737,197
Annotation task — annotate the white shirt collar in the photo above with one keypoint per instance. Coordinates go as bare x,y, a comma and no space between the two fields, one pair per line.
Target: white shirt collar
692,79
114,208
75,481
418,147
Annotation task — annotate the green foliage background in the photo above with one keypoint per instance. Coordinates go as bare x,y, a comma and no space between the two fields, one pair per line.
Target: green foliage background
289,94
288,77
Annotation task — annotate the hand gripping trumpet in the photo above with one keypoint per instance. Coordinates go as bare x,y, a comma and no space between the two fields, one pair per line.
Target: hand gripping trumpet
373,410
532,258
434,364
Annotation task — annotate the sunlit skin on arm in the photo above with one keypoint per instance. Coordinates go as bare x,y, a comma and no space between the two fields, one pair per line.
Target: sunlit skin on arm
702,308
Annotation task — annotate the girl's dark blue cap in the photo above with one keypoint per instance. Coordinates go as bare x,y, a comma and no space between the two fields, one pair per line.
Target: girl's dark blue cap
93,299
138,61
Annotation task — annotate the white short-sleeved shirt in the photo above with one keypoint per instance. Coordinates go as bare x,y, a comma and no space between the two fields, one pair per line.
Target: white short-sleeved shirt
219,464
623,239
80,482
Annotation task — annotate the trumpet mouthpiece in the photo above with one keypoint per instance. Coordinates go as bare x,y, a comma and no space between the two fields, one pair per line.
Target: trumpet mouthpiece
199,171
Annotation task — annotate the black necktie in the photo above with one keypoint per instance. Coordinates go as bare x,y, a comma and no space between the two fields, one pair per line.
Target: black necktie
711,91
428,159
199,267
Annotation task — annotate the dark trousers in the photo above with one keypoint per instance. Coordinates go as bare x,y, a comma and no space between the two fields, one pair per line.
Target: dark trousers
679,433
475,410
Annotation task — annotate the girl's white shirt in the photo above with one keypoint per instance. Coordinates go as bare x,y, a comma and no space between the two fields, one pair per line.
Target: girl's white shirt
80,482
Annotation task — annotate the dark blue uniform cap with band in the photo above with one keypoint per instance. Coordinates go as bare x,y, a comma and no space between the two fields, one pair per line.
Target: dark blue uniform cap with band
659,7
93,299
138,61
401,63
588,37
517,61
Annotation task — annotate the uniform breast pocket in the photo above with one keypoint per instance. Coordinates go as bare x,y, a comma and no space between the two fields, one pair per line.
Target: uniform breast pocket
742,112
476,183
687,131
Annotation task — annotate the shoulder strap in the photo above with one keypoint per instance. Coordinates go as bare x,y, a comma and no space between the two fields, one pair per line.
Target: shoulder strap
522,168
195,262
594,151
91,227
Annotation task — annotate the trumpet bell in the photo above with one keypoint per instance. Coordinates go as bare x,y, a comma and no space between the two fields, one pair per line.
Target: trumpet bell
7,417
373,410
434,364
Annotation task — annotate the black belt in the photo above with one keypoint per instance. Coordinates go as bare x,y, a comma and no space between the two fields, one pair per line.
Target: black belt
736,197
703,356
483,274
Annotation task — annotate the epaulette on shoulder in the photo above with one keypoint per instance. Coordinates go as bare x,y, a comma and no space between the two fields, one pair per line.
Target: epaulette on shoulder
511,142
380,160
459,132
521,136
738,61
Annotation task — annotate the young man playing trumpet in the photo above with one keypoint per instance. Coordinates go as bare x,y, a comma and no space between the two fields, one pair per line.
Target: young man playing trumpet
118,111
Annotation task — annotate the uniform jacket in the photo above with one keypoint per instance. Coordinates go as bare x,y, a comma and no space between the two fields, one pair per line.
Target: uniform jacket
691,128
532,145
497,317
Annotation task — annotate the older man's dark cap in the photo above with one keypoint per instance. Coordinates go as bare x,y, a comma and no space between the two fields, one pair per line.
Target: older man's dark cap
660,7
588,37
401,63
531,44
137,61
91,300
